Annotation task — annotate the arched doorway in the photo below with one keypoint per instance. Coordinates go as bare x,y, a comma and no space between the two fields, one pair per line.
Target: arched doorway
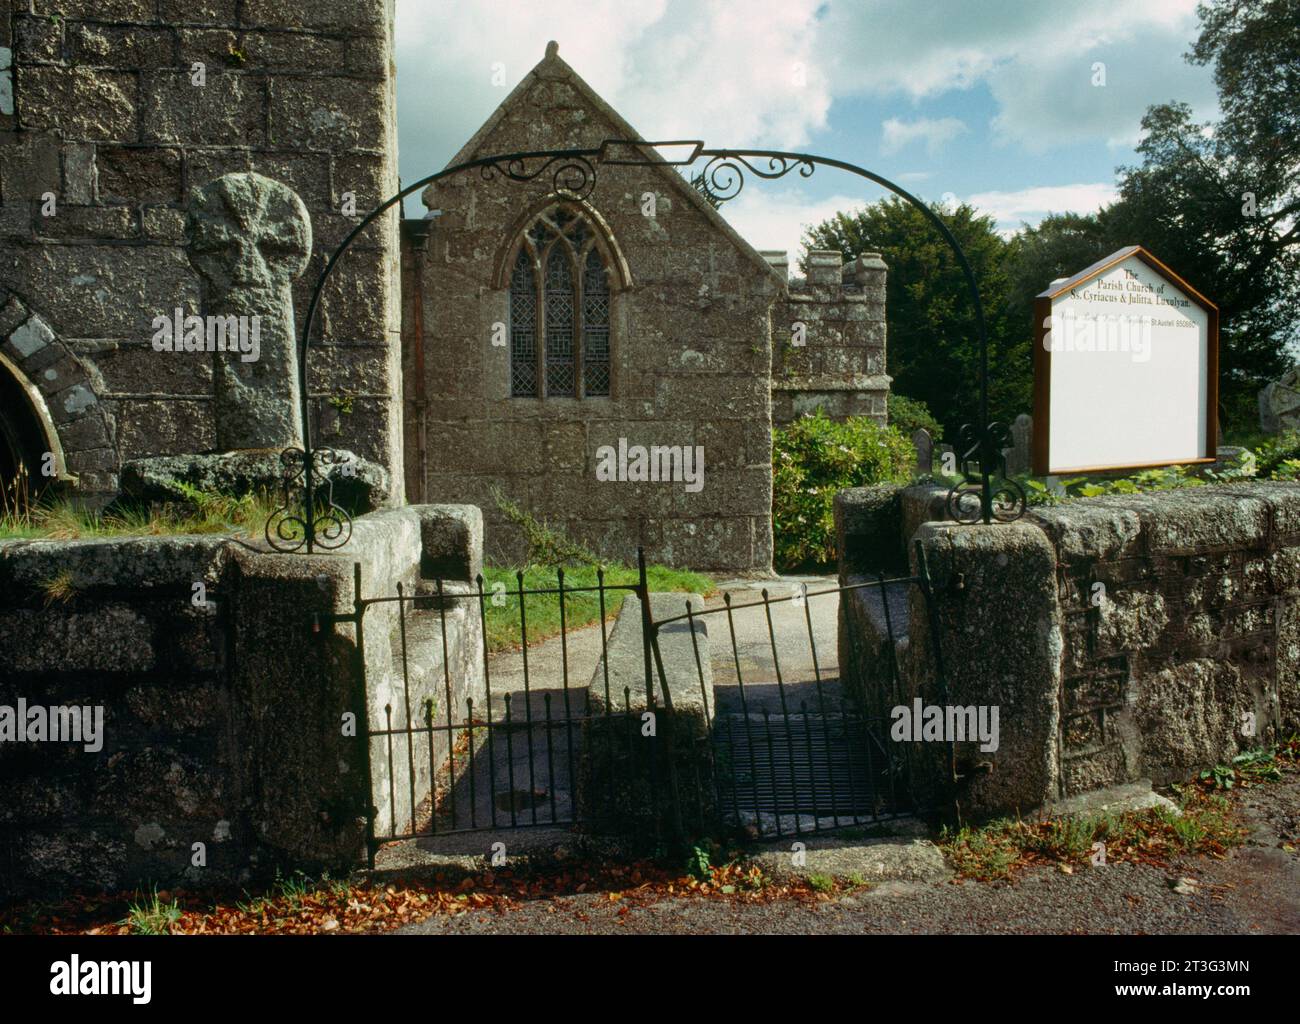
24,442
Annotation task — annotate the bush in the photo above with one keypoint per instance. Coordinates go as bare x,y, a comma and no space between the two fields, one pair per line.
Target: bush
813,458
1273,457
908,415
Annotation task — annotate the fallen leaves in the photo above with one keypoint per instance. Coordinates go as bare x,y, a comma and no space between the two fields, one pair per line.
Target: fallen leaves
361,905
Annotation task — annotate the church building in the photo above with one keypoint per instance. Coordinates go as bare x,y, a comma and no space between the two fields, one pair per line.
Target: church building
613,360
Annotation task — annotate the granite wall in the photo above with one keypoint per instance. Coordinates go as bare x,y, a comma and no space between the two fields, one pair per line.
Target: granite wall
1123,638
223,705
117,111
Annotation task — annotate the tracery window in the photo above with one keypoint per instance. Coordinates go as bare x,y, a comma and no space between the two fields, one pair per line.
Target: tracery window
559,282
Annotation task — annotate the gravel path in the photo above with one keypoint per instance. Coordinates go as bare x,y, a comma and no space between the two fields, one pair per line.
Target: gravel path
1255,890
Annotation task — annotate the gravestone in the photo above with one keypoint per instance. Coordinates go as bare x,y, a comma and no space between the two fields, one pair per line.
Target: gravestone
250,238
924,446
1020,455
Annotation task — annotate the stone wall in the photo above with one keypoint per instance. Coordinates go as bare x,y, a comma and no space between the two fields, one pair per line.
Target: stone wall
107,122
223,709
1124,638
839,366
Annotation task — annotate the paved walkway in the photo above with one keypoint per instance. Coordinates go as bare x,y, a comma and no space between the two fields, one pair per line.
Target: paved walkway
525,775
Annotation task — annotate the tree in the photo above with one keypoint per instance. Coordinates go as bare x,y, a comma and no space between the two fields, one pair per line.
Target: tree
932,350
1220,201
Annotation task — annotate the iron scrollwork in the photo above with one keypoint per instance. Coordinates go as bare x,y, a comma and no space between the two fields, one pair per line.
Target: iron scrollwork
571,176
327,525
724,175
985,493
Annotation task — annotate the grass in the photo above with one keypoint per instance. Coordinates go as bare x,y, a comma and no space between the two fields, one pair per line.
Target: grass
202,513
59,588
154,916
1206,825
996,850
542,611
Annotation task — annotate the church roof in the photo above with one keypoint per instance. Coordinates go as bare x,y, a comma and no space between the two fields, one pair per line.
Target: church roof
553,68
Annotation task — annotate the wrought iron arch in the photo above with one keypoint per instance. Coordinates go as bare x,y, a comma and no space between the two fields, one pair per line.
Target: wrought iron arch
985,493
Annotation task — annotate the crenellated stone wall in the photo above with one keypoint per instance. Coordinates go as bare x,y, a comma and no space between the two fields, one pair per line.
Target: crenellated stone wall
828,339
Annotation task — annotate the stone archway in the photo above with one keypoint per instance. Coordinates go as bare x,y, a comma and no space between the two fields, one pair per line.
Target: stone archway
55,410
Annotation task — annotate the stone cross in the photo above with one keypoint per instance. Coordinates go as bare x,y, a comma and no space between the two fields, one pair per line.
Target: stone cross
250,237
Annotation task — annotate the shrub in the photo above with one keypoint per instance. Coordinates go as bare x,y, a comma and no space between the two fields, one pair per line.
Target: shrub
813,458
1273,456
908,415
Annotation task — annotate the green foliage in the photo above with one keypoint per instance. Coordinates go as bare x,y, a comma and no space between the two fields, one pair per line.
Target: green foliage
542,611
1163,478
1217,201
908,415
697,863
546,544
1273,454
812,459
152,916
933,351
198,512
1248,768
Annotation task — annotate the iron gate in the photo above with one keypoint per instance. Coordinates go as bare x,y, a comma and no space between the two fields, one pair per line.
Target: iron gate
465,740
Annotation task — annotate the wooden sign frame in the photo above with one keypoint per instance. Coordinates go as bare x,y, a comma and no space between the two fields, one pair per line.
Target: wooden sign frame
1043,365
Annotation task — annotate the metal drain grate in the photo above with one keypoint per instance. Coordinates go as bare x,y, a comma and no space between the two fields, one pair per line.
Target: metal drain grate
806,765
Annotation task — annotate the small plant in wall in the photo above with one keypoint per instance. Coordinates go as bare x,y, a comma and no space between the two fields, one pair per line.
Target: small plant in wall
342,403
59,588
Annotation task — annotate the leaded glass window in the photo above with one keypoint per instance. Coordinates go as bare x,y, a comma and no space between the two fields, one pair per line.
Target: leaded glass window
595,327
559,310
523,329
559,323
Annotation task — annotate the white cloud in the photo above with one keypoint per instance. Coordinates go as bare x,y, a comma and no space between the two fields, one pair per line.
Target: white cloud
1035,57
769,218
934,132
1010,209
766,75
776,218
716,70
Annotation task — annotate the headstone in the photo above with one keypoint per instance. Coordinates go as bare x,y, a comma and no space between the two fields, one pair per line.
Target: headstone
1020,454
924,451
250,237
1279,403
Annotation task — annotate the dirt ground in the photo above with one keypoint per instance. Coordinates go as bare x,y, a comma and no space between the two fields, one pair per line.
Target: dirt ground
1254,890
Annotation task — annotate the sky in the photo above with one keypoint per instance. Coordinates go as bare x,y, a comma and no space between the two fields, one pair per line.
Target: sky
1019,107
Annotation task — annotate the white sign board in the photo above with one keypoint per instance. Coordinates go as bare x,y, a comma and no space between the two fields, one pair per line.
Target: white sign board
1125,369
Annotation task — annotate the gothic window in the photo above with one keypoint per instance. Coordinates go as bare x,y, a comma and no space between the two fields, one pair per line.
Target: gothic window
523,329
559,281
595,327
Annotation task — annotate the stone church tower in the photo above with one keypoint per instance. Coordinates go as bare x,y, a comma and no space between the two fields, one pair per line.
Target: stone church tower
543,332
